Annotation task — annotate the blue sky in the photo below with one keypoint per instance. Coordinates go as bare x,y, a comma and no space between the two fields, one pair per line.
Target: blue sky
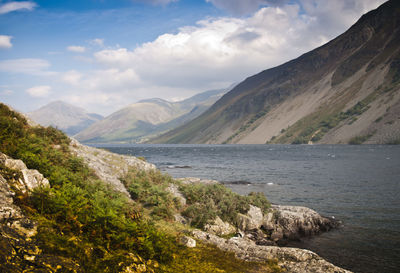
103,55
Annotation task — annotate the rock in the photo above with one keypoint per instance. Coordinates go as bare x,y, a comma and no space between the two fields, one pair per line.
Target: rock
180,219
173,189
187,241
253,220
192,180
293,222
220,228
18,251
292,260
108,166
30,180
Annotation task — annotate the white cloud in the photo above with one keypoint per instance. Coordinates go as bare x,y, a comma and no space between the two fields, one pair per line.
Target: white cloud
72,77
5,41
97,42
38,67
39,91
218,51
14,6
211,54
77,49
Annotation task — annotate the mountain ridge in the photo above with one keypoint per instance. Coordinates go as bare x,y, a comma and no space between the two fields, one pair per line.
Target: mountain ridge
140,120
264,106
67,117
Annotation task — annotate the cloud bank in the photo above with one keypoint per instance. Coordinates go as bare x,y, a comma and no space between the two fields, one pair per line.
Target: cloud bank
39,91
217,51
14,6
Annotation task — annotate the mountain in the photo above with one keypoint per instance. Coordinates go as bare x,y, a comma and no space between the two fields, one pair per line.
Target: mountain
346,91
146,118
66,117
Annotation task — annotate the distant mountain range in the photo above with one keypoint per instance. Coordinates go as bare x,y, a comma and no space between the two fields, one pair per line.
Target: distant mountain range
346,91
66,117
147,118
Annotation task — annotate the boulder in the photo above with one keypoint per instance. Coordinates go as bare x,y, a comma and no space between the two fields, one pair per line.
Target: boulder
293,222
252,220
220,228
30,179
187,241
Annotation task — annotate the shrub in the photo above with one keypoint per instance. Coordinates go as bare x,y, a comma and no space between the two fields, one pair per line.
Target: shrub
206,202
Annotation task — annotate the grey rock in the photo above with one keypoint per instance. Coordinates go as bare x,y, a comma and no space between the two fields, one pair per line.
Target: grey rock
293,222
108,166
173,189
31,179
252,220
180,219
192,180
187,241
219,227
291,259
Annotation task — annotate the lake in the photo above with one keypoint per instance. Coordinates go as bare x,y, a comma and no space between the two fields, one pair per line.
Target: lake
359,185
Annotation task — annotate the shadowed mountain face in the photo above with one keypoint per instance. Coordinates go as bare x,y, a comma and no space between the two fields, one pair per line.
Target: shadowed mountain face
138,121
64,116
346,91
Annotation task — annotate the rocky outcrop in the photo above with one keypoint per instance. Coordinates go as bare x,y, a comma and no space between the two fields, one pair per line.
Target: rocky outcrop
193,180
18,249
187,241
173,189
292,260
29,179
283,223
108,166
220,228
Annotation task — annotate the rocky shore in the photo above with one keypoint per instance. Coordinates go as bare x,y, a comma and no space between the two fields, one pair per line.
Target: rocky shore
257,236
261,237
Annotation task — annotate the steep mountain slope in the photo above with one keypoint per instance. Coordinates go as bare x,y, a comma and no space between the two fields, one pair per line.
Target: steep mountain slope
344,91
66,117
148,117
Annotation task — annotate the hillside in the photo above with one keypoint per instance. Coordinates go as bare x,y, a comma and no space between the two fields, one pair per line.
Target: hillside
147,118
66,117
66,207
346,91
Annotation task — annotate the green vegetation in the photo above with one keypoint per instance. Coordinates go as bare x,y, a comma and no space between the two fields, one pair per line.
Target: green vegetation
89,227
149,189
360,139
206,202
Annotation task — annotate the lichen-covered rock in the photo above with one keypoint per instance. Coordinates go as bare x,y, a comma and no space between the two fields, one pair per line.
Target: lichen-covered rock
293,222
252,220
193,180
219,227
187,241
108,166
30,179
292,260
18,249
173,189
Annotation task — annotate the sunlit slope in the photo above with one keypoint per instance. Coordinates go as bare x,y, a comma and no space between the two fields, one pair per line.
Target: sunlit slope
346,91
138,121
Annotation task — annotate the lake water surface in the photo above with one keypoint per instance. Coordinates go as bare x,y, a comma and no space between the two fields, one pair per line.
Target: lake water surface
359,185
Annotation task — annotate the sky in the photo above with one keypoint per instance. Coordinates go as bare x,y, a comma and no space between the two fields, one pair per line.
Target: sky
103,55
